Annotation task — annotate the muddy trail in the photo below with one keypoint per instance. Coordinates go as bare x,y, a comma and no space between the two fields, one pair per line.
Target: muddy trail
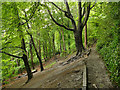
69,74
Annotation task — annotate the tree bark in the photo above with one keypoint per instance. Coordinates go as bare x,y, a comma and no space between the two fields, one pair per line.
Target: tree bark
25,59
53,44
44,53
60,41
86,35
29,73
69,43
68,39
40,61
49,47
46,50
64,46
31,55
78,42
39,48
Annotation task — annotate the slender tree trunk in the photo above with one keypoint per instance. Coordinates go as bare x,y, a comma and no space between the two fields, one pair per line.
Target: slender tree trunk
44,51
60,41
53,44
86,35
68,38
39,58
25,59
18,64
69,43
49,47
39,45
31,55
64,47
39,48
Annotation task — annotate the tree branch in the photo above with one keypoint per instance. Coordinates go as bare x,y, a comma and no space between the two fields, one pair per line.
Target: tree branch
67,6
36,6
93,5
69,15
55,20
10,54
11,47
87,15
58,7
79,13
58,23
83,10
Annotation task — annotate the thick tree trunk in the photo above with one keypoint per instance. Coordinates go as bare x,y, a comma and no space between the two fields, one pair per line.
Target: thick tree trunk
31,55
78,41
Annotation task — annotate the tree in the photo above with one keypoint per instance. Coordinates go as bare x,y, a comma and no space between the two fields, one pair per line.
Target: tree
86,35
15,27
83,15
37,53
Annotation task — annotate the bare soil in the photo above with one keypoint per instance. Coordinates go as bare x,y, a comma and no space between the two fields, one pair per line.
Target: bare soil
68,75
97,73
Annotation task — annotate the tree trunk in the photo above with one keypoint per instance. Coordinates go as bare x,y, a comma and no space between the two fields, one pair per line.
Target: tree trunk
29,73
64,47
69,43
49,47
60,41
39,58
78,41
25,59
44,51
53,44
68,39
31,55
39,48
86,35
18,64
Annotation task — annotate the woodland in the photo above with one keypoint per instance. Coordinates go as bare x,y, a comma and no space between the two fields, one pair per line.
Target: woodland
34,32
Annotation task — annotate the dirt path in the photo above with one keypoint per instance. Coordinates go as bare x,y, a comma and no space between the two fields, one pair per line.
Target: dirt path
59,76
69,75
97,74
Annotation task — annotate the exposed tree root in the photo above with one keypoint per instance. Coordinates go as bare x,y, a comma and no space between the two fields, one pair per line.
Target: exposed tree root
26,82
80,55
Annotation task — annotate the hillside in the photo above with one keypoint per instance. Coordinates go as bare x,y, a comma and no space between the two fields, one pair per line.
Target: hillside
69,75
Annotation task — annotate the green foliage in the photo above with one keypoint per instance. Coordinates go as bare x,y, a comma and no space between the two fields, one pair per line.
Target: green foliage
105,29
